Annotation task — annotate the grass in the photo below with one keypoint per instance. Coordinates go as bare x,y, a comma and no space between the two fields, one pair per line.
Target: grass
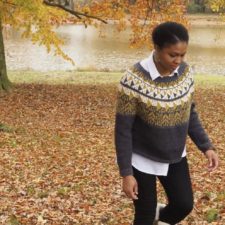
94,77
64,77
210,80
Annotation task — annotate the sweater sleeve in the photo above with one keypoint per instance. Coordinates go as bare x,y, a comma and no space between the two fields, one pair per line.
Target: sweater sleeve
124,118
197,132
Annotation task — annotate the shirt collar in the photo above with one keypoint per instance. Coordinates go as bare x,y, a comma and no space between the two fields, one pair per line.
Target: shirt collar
149,65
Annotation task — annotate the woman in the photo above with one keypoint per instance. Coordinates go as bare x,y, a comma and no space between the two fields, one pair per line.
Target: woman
154,114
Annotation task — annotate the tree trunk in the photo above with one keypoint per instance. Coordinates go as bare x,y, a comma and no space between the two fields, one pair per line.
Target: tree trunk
5,84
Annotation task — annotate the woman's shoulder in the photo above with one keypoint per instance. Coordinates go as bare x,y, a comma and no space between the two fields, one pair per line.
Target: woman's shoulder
138,71
133,70
133,75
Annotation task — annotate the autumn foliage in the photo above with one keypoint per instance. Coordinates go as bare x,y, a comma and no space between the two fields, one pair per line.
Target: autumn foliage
140,15
57,162
38,20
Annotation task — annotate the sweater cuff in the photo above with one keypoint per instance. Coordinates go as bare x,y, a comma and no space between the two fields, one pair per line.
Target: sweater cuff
206,146
126,172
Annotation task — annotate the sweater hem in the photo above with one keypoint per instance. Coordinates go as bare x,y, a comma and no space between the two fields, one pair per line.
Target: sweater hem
159,159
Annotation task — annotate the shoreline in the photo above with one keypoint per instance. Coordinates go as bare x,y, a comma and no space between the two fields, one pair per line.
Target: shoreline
203,20
196,20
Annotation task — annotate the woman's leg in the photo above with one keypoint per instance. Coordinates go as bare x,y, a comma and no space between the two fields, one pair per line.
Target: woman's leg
178,187
145,205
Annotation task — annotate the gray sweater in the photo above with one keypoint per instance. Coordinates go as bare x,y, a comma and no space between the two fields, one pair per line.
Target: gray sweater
153,118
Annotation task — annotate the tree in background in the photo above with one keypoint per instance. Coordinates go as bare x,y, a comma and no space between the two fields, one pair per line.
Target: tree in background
4,81
37,19
218,6
198,6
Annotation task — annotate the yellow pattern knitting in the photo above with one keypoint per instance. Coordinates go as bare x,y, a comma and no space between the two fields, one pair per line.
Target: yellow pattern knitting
157,103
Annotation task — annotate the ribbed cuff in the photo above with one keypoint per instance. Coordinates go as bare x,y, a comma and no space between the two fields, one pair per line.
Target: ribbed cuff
206,146
126,172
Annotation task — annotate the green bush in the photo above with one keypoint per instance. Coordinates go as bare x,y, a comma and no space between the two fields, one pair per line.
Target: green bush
194,8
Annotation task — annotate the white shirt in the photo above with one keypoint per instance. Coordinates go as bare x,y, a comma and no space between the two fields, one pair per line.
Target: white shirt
142,163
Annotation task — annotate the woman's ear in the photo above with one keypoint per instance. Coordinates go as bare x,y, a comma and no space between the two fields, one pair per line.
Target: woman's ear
156,57
156,47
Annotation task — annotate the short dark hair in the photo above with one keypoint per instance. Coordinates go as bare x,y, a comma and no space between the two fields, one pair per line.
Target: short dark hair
169,33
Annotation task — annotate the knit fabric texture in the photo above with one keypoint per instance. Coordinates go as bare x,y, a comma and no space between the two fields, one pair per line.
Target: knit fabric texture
153,118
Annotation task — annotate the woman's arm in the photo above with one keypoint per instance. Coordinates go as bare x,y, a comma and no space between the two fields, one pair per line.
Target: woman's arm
125,115
197,132
201,139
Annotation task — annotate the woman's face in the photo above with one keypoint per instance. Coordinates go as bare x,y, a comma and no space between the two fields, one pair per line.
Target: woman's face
172,55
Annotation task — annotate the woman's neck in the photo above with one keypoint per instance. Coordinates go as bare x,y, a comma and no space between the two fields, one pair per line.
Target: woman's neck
162,70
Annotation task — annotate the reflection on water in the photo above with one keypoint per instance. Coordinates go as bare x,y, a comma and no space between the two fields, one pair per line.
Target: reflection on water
206,50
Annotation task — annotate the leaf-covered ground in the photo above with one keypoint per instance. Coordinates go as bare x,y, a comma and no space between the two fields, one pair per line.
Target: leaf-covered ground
57,158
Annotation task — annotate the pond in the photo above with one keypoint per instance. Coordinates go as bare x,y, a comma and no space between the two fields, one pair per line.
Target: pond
206,52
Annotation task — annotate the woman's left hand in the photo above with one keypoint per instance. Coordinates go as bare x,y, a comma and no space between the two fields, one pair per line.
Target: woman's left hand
212,158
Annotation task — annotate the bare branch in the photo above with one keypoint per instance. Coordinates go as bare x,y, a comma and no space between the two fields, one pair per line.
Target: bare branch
75,13
149,9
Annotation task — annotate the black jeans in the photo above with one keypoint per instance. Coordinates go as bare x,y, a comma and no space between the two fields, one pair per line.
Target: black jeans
178,188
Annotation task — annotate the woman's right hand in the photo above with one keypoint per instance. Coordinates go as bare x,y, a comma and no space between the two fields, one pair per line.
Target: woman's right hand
130,187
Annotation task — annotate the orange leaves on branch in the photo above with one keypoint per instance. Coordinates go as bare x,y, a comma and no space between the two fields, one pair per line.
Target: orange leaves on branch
36,22
141,16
